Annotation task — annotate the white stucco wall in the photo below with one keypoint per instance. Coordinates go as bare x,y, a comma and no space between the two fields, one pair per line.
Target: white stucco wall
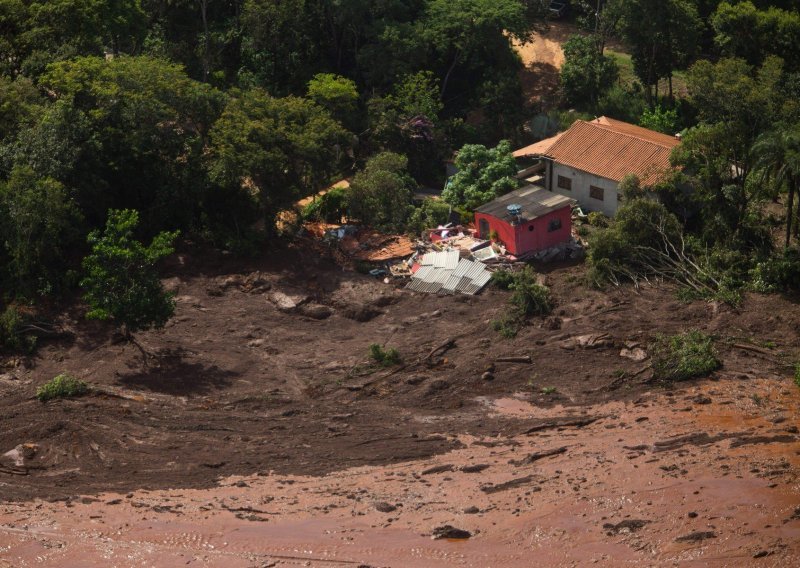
580,189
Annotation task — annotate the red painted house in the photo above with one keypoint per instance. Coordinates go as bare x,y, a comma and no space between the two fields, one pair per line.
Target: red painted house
527,220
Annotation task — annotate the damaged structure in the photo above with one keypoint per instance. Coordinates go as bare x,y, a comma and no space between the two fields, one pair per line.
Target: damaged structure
527,220
445,272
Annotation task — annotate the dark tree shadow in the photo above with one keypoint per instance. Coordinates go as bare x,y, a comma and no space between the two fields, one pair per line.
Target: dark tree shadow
540,83
170,372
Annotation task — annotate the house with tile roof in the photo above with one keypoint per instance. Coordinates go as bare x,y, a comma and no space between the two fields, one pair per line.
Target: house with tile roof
587,161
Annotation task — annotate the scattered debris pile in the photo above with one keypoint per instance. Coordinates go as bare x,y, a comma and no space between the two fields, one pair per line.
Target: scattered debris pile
447,260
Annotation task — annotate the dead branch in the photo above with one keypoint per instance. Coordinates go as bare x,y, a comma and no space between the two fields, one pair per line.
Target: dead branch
443,347
522,359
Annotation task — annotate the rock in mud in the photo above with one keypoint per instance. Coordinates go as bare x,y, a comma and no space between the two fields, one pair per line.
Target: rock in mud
316,311
471,510
448,531
437,386
588,341
286,302
635,354
697,536
415,379
487,376
626,526
19,455
384,507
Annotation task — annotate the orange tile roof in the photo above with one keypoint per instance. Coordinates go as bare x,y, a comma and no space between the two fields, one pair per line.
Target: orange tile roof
613,149
537,147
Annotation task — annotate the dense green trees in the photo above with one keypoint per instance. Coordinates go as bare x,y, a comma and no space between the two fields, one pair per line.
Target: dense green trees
483,174
380,194
38,223
662,36
280,148
206,115
586,73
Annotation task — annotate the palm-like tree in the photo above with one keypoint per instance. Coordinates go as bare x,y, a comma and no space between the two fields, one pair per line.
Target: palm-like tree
778,153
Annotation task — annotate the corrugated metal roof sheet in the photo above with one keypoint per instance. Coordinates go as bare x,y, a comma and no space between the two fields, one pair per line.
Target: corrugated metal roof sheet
535,202
613,149
466,276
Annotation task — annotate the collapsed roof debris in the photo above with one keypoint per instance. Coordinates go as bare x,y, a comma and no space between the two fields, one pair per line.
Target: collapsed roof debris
446,272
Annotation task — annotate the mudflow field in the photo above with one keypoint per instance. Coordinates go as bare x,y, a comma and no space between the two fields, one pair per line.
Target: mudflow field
261,435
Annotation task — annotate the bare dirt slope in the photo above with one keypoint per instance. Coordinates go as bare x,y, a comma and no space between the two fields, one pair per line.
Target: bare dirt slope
542,59
248,385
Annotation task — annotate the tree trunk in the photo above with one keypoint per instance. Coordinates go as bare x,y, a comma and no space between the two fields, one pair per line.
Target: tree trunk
790,210
671,98
206,40
447,75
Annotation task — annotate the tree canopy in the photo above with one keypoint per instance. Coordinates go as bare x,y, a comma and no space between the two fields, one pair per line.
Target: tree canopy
483,174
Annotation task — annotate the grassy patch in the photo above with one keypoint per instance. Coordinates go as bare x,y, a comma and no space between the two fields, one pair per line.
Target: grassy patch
797,374
384,357
683,356
549,390
61,386
627,76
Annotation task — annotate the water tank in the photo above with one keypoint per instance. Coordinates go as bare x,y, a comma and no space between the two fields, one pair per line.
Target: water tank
514,209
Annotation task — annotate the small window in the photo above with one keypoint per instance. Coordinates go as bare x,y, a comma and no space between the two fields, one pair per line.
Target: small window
530,228
565,183
596,192
554,225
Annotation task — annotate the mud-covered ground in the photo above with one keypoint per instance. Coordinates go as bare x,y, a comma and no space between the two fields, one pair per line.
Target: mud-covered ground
264,375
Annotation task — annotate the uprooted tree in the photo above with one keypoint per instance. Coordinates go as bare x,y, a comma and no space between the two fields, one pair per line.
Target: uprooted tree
121,282
644,242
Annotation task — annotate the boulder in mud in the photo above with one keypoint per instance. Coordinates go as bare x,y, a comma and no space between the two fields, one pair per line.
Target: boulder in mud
449,531
287,302
316,311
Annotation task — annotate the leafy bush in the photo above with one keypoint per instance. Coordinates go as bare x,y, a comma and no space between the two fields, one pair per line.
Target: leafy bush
384,357
778,273
61,386
12,336
503,279
430,214
797,374
527,299
530,298
660,119
330,207
598,219
683,356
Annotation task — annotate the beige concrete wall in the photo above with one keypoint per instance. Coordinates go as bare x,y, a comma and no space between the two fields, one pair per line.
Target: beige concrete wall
580,189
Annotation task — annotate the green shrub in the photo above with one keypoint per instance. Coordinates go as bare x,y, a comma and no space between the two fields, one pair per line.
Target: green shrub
61,386
780,273
598,219
12,336
384,357
508,324
430,214
503,279
530,298
683,356
797,374
330,207
527,299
